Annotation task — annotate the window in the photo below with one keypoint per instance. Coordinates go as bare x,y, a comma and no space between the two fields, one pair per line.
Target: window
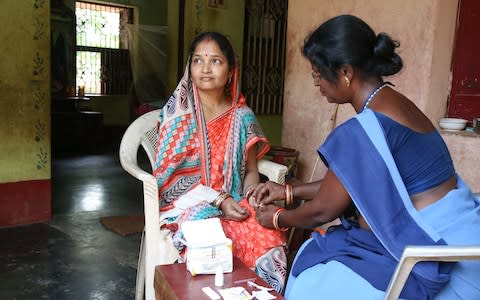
102,58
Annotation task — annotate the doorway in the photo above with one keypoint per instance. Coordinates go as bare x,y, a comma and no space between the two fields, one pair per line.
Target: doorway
464,101
264,57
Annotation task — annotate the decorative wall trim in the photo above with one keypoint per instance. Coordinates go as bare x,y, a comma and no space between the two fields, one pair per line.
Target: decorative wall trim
40,82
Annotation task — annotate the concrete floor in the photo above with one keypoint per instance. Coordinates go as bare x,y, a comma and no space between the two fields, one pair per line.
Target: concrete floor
73,256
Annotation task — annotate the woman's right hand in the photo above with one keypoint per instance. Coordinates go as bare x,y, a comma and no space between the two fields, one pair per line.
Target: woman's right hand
233,211
264,215
268,192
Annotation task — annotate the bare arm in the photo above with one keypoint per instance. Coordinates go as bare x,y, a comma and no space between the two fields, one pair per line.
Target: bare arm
251,173
329,202
306,191
229,206
269,192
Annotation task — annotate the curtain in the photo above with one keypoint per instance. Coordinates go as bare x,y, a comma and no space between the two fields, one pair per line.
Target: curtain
148,46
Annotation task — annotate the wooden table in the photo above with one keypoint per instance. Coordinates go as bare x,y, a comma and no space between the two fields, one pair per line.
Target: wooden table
174,282
62,104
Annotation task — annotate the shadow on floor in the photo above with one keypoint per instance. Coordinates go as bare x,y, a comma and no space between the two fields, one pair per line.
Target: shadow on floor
73,256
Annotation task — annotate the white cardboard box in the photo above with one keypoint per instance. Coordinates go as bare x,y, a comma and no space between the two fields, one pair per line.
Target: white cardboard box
207,247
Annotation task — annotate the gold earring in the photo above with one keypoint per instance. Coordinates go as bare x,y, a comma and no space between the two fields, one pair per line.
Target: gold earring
347,81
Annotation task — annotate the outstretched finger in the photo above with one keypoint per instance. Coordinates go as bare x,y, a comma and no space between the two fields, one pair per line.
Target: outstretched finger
261,194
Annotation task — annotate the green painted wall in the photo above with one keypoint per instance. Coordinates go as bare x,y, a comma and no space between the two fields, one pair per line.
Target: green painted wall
150,12
115,109
25,90
272,126
172,50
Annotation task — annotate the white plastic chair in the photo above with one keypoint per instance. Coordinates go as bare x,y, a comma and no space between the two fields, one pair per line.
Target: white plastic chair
414,254
154,247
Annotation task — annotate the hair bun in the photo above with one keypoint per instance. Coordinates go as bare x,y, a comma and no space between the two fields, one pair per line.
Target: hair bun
385,60
347,40
384,45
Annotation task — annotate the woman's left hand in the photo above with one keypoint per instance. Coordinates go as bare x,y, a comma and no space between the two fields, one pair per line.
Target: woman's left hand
233,211
265,214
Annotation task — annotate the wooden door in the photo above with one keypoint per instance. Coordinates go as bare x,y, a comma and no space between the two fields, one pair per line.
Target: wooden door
464,99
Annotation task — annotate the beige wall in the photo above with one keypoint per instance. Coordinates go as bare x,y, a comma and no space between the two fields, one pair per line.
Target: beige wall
425,30
466,158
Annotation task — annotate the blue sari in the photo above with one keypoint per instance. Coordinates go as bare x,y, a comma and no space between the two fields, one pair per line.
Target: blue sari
364,260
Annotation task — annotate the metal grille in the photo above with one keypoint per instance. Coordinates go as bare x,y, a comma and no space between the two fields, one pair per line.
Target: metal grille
103,64
264,55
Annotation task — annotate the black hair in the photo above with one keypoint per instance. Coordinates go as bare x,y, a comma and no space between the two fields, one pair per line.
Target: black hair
347,40
222,42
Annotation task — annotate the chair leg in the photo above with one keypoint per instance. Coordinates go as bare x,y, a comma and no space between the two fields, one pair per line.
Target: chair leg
140,284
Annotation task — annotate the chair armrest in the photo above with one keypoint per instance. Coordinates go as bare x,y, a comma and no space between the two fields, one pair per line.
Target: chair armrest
413,254
274,171
133,169
154,241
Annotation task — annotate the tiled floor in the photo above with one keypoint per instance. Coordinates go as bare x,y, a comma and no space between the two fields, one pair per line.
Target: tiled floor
74,256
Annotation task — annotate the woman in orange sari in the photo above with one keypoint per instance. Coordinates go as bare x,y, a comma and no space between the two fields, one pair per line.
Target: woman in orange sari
208,136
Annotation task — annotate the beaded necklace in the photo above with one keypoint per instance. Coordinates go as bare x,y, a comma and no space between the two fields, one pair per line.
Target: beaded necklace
370,97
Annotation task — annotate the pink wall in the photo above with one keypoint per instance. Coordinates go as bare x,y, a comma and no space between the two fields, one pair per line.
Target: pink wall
465,149
425,30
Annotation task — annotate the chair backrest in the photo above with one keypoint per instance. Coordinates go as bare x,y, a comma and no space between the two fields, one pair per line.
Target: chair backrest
150,133
150,138
143,131
414,254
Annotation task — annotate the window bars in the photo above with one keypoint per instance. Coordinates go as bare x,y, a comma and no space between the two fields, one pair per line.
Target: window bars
102,58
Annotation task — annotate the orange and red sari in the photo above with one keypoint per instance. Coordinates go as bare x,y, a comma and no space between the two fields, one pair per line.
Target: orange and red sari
191,151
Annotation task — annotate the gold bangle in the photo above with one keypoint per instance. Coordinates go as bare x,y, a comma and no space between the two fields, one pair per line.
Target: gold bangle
220,198
288,195
275,219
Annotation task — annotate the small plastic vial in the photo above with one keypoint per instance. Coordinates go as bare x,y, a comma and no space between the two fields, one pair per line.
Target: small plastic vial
219,276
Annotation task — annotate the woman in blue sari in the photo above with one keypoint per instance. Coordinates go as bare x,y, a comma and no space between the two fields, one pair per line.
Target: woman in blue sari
390,180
